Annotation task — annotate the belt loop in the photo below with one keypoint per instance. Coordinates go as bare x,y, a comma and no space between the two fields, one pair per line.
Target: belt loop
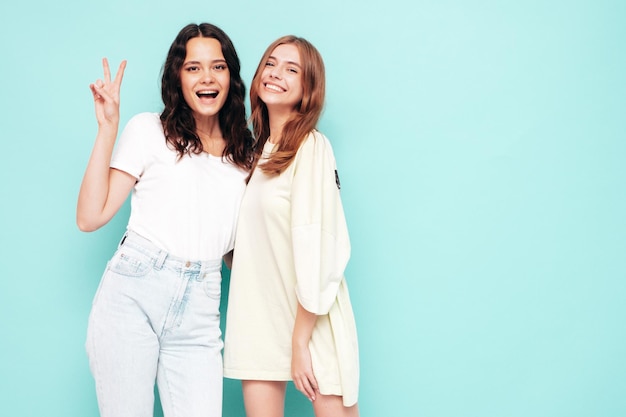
122,240
160,259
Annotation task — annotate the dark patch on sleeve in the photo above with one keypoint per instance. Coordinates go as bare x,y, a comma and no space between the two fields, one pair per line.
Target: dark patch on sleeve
337,180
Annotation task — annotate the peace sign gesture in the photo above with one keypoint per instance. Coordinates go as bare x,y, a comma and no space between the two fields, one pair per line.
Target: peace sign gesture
106,95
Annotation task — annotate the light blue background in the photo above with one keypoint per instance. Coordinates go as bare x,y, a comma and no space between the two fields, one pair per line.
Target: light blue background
481,147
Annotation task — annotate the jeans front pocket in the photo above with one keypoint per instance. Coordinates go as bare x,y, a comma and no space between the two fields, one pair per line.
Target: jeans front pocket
212,282
130,262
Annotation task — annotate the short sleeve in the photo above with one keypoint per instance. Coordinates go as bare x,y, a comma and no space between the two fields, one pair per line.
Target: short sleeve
320,240
130,150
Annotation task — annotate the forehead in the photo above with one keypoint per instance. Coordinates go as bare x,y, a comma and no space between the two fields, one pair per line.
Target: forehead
199,49
286,52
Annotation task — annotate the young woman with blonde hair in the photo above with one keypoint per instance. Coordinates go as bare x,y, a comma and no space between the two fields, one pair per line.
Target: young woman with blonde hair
289,315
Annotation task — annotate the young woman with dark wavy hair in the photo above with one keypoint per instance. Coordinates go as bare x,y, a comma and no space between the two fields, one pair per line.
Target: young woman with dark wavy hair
289,314
155,315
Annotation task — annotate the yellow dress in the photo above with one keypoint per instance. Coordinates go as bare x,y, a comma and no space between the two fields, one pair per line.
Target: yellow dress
292,245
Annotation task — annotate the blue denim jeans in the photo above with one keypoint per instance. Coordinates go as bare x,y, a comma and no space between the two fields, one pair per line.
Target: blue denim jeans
156,317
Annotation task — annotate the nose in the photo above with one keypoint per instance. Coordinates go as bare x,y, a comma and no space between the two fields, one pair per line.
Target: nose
207,76
275,72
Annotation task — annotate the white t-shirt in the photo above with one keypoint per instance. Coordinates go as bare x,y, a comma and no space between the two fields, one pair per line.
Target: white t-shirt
187,206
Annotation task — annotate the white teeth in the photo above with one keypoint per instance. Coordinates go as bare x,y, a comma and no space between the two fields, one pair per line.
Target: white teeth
204,93
274,88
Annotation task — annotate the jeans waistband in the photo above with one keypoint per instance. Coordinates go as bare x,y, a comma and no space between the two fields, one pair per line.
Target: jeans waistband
162,257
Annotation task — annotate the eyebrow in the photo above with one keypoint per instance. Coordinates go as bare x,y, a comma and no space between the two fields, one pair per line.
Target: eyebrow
289,62
199,63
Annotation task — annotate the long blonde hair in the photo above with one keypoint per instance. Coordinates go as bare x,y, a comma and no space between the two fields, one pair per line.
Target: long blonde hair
306,113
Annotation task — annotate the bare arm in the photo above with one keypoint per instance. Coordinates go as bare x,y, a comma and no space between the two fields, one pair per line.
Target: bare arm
301,366
103,190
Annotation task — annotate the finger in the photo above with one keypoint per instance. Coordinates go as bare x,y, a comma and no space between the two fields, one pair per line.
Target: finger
307,389
120,74
300,387
102,92
96,95
313,384
107,70
299,383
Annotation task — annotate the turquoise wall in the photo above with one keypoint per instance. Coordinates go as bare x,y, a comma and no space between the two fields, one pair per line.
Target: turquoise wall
481,147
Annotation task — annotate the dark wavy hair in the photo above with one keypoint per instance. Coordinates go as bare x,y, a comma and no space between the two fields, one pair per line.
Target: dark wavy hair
177,117
305,114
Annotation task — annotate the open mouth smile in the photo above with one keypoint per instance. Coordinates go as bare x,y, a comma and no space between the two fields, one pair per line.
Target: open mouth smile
207,94
274,87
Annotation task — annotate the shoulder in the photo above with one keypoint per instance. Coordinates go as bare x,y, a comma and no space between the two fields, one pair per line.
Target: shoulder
315,154
316,143
144,125
145,119
143,133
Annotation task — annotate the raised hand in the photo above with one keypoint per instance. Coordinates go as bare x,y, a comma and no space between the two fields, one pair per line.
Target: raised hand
103,190
106,94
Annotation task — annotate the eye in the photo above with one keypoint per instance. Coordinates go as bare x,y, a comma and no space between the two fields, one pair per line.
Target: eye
293,70
220,67
269,64
192,68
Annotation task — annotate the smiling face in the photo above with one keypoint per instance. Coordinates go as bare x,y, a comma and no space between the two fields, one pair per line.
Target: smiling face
280,84
204,77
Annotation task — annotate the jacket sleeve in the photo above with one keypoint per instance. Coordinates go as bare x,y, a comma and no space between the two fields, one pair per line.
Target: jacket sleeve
321,245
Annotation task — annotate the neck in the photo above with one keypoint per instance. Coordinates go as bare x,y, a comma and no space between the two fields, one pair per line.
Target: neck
208,127
210,135
277,121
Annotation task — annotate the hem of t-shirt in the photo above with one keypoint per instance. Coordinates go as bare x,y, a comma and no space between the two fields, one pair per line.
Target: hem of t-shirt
331,389
256,375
